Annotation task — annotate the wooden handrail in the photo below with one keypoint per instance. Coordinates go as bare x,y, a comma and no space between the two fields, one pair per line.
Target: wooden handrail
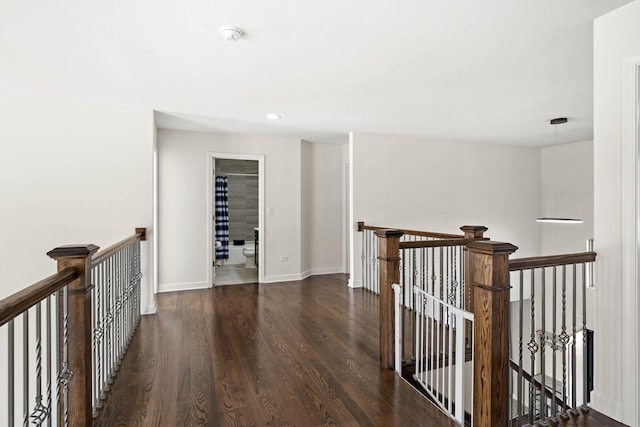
113,249
74,264
362,227
538,385
23,300
551,261
438,243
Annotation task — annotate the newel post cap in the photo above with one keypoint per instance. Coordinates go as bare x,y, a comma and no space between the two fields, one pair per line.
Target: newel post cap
474,231
73,251
492,248
142,233
389,233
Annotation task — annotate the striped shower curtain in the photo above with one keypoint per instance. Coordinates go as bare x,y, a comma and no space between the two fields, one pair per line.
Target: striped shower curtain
222,217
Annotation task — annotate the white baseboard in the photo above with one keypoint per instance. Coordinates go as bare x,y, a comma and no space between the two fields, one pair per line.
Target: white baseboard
283,278
150,309
188,286
303,275
354,283
173,287
326,270
605,405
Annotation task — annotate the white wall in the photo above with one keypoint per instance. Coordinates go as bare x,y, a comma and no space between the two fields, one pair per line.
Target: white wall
436,186
183,174
303,184
326,232
567,192
70,173
617,40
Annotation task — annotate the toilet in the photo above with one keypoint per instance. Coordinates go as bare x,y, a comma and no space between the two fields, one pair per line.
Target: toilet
249,252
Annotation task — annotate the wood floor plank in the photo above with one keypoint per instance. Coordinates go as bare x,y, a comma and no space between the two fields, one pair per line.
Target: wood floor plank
282,354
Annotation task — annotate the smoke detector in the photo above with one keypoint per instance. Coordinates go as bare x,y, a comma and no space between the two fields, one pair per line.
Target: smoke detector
230,33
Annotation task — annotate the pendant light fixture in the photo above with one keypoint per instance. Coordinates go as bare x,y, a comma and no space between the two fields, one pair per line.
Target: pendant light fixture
551,219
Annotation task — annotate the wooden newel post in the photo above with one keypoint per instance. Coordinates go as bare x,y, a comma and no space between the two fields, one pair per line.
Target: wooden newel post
489,271
79,329
470,232
389,262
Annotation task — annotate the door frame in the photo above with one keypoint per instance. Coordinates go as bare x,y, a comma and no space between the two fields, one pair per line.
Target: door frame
211,156
631,238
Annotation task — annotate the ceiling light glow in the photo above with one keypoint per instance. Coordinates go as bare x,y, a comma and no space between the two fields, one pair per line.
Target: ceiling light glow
560,220
273,116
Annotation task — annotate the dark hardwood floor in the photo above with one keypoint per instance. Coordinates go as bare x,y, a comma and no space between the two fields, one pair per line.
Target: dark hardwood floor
284,354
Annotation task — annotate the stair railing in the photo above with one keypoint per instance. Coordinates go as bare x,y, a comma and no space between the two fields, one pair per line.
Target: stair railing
431,312
430,261
66,334
441,349
549,378
556,336
486,293
369,254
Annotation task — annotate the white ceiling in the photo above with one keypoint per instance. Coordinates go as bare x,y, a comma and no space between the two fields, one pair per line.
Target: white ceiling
459,70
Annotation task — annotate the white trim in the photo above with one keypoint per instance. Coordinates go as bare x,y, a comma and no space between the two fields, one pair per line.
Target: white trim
354,283
345,219
321,272
326,270
209,197
605,405
630,298
149,309
155,222
283,278
186,286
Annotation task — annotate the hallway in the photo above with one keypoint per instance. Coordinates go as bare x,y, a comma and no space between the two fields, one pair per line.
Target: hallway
285,354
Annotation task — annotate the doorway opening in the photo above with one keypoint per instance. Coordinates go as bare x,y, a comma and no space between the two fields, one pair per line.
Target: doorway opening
235,222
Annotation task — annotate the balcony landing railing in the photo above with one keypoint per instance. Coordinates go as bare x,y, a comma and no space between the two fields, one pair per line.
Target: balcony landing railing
452,308
63,337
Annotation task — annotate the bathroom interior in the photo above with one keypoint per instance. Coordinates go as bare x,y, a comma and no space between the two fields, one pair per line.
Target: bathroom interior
236,221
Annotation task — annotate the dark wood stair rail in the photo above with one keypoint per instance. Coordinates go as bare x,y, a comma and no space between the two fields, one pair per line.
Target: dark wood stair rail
389,246
74,271
362,226
551,261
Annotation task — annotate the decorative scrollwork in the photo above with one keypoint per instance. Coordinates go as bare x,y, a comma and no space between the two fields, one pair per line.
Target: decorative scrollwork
65,376
40,414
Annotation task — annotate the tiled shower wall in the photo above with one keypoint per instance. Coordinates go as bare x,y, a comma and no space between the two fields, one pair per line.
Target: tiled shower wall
243,196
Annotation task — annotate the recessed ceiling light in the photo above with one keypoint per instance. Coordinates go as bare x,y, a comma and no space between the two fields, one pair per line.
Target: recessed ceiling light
273,116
